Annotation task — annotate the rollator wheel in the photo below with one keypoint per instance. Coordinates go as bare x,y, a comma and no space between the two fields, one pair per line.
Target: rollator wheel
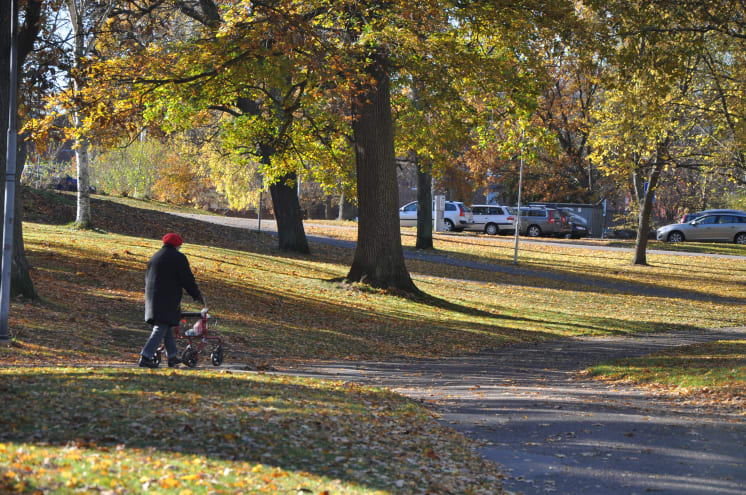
217,356
157,357
189,357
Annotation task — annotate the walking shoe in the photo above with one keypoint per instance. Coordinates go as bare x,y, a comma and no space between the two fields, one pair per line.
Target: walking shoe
147,362
174,361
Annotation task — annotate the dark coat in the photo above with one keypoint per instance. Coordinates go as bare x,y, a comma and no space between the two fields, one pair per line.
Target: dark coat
168,275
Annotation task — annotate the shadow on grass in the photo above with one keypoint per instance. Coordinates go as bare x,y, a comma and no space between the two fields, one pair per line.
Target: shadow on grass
300,323
548,274
334,430
47,207
128,220
313,319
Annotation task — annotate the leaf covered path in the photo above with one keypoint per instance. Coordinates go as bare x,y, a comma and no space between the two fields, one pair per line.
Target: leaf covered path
557,432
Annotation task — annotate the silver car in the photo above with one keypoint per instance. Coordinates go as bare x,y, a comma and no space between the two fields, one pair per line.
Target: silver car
729,227
492,219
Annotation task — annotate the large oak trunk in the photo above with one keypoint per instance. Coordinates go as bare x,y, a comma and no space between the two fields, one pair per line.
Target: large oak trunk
379,259
20,278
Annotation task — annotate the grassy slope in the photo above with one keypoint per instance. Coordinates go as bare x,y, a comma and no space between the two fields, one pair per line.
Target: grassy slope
129,430
711,374
197,432
279,306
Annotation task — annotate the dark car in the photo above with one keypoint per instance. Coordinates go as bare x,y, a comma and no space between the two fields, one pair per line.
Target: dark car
542,221
68,183
578,224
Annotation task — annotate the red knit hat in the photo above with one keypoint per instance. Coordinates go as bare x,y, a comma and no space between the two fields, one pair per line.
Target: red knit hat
172,239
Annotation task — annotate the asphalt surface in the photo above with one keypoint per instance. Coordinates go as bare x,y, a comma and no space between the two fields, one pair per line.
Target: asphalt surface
554,432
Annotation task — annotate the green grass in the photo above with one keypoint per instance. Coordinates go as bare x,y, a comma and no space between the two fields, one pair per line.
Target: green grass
727,248
719,366
276,306
179,432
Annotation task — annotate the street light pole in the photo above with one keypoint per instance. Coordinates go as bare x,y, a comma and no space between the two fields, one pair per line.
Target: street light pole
518,210
10,178
259,216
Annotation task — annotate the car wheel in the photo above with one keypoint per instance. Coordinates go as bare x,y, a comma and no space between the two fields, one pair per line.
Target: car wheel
740,238
533,231
675,236
491,229
448,225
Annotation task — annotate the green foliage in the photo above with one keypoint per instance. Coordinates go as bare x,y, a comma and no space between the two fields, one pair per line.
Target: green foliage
177,171
129,170
737,200
44,174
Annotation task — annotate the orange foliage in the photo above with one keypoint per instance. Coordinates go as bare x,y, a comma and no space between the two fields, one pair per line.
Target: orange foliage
180,182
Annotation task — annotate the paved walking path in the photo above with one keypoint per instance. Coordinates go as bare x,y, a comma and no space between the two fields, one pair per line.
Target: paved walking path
557,433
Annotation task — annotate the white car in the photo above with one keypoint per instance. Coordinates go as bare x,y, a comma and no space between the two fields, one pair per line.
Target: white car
492,219
455,217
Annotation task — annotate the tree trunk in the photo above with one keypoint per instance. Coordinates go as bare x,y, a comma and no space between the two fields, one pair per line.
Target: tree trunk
83,215
645,209
285,203
379,259
20,279
340,214
424,206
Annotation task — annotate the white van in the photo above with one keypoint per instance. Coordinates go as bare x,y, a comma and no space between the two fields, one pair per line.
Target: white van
492,219
455,217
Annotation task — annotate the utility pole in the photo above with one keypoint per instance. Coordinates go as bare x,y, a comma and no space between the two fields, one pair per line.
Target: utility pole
518,210
10,177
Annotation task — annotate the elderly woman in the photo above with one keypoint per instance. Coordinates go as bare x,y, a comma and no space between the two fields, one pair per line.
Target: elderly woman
167,277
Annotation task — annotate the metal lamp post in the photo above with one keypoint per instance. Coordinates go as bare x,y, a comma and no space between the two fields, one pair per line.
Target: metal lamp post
518,210
10,177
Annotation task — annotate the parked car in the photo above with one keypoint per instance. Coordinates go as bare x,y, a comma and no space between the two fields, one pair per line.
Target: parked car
693,216
542,221
730,227
68,183
578,224
492,219
455,217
